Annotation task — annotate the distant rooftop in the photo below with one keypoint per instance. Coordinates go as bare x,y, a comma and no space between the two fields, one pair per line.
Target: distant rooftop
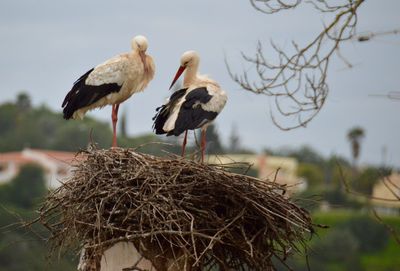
25,156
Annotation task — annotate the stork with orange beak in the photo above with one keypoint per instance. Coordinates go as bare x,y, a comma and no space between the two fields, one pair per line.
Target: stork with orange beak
111,83
194,106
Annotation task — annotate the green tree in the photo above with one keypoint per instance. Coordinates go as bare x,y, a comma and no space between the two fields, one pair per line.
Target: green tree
234,140
336,170
371,235
313,173
40,127
339,248
214,145
304,154
28,187
123,125
20,247
23,102
75,135
355,135
338,245
8,118
365,181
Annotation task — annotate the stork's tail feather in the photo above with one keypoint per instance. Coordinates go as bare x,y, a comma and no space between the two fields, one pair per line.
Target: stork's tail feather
70,100
67,114
77,85
159,120
164,112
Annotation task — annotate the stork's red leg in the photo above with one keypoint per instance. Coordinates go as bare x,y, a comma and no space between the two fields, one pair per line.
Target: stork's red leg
184,143
203,143
114,117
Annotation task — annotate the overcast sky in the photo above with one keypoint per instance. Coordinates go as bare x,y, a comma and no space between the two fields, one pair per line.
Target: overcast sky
46,45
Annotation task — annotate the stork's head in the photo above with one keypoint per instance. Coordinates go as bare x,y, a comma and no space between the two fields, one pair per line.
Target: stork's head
139,43
188,59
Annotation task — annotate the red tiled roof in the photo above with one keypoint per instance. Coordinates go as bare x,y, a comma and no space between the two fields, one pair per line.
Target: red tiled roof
14,156
58,155
20,158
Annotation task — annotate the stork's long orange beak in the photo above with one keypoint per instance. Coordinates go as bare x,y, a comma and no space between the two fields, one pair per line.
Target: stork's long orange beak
178,73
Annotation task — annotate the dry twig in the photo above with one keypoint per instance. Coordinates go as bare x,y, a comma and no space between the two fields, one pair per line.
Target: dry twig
371,35
389,185
298,81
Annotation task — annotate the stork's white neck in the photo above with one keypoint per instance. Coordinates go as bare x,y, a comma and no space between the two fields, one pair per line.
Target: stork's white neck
190,74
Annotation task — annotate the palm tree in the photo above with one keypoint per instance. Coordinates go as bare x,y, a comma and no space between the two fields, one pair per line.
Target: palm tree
355,135
122,125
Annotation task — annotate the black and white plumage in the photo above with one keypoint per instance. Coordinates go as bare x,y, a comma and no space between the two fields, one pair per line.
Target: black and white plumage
83,95
194,106
111,83
190,115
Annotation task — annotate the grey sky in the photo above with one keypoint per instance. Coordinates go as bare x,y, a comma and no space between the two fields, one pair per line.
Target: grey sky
46,45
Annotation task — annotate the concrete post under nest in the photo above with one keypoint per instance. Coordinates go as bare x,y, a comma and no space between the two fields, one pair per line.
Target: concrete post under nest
179,214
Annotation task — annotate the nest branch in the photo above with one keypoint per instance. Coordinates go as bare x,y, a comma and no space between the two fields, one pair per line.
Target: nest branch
174,211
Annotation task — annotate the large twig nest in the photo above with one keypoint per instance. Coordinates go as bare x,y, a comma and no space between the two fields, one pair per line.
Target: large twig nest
175,211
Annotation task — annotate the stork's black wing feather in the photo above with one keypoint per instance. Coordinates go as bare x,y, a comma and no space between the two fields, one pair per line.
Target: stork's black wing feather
191,114
198,95
164,111
77,85
82,95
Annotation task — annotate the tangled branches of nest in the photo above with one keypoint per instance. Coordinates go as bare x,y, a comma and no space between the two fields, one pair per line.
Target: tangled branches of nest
175,211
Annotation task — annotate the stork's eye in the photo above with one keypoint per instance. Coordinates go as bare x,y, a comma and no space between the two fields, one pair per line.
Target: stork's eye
185,63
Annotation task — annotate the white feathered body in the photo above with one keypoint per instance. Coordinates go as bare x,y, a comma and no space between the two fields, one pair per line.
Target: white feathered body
126,70
111,82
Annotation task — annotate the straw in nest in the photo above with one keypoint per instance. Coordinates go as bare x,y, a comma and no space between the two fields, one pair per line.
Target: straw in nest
176,212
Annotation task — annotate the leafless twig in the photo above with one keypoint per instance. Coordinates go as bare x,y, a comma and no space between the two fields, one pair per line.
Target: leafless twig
387,182
298,81
395,232
370,35
392,95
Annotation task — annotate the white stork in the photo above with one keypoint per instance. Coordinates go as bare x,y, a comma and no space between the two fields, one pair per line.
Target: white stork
111,83
194,106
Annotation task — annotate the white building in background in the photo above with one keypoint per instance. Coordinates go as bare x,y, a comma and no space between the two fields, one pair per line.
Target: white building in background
56,164
282,170
386,195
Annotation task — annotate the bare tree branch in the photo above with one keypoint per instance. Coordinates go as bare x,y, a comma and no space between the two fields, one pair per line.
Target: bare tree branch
297,82
370,35
387,182
392,95
272,6
394,232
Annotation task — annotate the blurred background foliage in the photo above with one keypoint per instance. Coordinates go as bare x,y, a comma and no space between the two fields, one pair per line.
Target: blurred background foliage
354,241
24,248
